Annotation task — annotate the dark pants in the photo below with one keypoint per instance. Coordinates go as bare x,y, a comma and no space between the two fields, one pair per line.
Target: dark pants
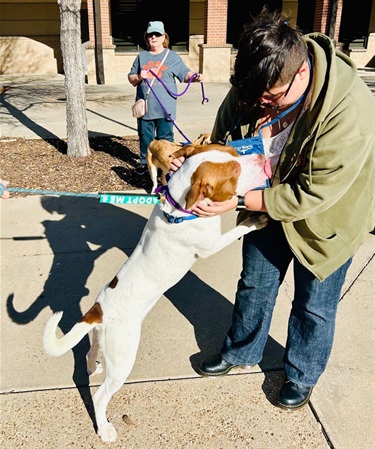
266,257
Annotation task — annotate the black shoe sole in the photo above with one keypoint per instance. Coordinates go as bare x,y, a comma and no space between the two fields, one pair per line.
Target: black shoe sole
224,373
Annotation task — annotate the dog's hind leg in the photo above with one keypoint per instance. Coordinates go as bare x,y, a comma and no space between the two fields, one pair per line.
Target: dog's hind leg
93,366
119,361
153,171
154,176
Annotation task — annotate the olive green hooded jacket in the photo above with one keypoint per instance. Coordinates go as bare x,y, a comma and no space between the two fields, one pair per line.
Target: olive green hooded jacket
325,200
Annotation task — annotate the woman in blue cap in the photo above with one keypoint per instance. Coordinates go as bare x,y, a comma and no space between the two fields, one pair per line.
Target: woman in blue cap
168,66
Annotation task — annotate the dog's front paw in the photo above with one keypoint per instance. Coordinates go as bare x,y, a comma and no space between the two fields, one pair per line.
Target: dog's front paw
107,433
255,221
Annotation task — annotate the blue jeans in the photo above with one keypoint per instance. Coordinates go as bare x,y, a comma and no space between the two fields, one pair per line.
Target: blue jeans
148,130
266,257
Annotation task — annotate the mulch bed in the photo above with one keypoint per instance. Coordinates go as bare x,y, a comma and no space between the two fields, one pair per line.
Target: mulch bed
44,164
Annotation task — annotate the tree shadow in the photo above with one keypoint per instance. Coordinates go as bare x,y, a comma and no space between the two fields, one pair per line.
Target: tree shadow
131,128
118,148
40,131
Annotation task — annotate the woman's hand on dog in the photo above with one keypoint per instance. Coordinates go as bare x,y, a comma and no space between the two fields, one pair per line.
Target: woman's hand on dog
176,164
204,210
254,200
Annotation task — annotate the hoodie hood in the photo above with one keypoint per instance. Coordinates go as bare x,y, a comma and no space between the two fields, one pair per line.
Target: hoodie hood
332,80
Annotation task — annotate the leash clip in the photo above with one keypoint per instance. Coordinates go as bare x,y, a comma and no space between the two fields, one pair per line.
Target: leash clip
171,219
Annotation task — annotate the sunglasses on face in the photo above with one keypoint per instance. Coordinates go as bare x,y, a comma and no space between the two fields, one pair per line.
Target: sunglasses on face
153,34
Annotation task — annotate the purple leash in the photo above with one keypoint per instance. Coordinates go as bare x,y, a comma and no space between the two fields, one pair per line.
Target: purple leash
174,94
165,191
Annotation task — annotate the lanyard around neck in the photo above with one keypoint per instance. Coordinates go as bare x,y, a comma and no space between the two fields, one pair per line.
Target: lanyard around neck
283,114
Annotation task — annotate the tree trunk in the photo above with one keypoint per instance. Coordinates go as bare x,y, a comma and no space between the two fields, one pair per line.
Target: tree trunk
70,39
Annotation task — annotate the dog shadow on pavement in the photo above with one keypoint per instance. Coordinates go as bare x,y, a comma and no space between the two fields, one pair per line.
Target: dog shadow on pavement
85,224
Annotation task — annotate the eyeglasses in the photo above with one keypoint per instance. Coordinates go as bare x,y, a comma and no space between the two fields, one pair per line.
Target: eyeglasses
153,34
275,97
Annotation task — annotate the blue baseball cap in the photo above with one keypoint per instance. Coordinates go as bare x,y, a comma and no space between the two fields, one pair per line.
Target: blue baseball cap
155,27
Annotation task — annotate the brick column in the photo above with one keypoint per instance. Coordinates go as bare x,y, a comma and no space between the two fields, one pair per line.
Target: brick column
215,52
108,48
90,14
215,24
322,19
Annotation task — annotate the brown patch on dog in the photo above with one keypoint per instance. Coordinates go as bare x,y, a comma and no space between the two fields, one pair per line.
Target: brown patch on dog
94,315
213,180
113,283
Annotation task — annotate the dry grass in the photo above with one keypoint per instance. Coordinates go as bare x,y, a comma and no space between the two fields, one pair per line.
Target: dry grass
41,164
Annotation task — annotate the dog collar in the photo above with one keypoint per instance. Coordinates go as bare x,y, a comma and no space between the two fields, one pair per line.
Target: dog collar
172,219
165,191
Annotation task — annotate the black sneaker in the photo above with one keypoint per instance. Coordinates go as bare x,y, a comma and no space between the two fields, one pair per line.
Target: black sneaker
140,169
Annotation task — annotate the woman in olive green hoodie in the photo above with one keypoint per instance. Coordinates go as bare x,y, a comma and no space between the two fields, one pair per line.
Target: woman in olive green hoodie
316,122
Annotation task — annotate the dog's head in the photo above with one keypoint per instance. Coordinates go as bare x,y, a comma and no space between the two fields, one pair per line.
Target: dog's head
216,181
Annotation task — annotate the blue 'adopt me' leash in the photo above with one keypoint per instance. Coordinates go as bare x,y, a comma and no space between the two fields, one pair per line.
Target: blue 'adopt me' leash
124,199
109,198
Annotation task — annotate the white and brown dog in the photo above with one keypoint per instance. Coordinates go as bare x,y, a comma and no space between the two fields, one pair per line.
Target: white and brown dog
159,157
172,238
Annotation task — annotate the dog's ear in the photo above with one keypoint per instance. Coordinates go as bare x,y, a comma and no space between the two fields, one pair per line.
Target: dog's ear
215,181
199,191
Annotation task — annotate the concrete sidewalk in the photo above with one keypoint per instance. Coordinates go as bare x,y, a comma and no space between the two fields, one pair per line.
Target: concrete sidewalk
57,253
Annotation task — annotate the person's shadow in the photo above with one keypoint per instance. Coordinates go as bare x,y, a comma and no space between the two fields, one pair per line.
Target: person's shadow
87,222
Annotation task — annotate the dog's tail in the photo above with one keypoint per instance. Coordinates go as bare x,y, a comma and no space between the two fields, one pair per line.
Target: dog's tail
55,346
